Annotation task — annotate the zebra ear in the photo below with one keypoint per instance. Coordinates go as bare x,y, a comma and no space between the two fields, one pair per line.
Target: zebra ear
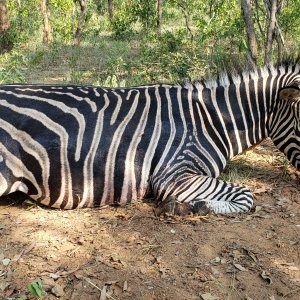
290,92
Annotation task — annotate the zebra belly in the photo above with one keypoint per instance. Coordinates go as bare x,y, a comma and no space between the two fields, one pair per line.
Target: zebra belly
79,184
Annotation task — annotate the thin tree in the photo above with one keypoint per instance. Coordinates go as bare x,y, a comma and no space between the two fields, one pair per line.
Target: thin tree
159,15
4,21
252,42
184,8
5,44
148,14
272,7
110,9
81,20
277,34
47,34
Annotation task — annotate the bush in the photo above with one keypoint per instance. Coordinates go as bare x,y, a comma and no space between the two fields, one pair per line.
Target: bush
123,20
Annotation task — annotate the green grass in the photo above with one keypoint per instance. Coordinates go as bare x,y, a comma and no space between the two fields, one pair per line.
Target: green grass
102,60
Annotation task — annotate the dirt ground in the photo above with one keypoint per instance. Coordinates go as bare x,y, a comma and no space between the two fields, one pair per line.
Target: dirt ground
128,253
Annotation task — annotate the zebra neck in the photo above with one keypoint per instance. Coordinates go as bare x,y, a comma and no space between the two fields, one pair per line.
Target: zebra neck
231,115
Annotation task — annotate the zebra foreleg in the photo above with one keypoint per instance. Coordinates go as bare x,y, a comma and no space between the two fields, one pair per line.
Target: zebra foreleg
204,194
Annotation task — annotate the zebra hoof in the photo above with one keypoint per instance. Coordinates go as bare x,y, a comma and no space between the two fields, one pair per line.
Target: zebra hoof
200,208
171,206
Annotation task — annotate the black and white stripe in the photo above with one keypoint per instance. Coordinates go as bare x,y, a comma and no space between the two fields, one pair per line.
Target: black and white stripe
69,146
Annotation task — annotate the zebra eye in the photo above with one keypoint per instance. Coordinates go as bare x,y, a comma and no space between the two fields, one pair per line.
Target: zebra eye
289,93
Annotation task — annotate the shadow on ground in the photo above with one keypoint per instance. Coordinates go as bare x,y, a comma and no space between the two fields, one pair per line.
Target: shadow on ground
128,253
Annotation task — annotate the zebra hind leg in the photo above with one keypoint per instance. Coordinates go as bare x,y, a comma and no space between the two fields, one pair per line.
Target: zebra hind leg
205,195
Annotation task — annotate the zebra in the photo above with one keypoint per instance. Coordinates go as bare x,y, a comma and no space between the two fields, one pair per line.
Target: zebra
82,146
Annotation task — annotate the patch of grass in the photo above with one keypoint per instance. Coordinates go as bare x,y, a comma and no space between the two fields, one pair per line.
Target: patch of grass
141,59
260,165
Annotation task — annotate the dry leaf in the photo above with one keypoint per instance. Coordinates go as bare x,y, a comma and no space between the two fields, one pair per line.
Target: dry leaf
209,296
214,271
103,293
240,267
111,282
125,286
4,285
54,275
258,208
252,256
81,241
158,259
293,268
24,251
266,276
57,290
176,242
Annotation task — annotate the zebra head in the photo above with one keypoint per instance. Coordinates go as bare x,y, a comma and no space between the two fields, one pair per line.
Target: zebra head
285,127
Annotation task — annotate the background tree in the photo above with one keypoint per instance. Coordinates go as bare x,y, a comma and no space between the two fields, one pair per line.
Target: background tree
5,44
47,35
249,24
81,19
159,15
184,5
110,9
271,7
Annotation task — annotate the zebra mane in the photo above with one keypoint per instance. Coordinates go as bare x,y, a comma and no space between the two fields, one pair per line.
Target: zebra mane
239,70
287,61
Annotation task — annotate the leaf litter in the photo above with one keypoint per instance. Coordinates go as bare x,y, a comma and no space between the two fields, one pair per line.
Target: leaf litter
128,253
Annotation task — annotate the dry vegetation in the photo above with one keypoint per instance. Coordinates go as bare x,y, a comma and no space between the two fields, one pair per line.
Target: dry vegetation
127,253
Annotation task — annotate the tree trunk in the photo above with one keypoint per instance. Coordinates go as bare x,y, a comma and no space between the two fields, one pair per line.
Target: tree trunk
159,15
270,29
278,34
252,42
81,20
148,14
110,9
5,43
184,7
4,22
47,35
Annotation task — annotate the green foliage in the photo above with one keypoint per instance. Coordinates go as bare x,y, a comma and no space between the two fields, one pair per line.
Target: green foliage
25,20
36,288
222,22
12,68
113,81
145,12
63,19
197,38
171,42
123,20
289,21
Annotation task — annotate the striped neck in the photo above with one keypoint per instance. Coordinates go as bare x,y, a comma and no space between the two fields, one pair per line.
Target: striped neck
237,111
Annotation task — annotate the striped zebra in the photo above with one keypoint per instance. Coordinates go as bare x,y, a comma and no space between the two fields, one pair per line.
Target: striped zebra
74,146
